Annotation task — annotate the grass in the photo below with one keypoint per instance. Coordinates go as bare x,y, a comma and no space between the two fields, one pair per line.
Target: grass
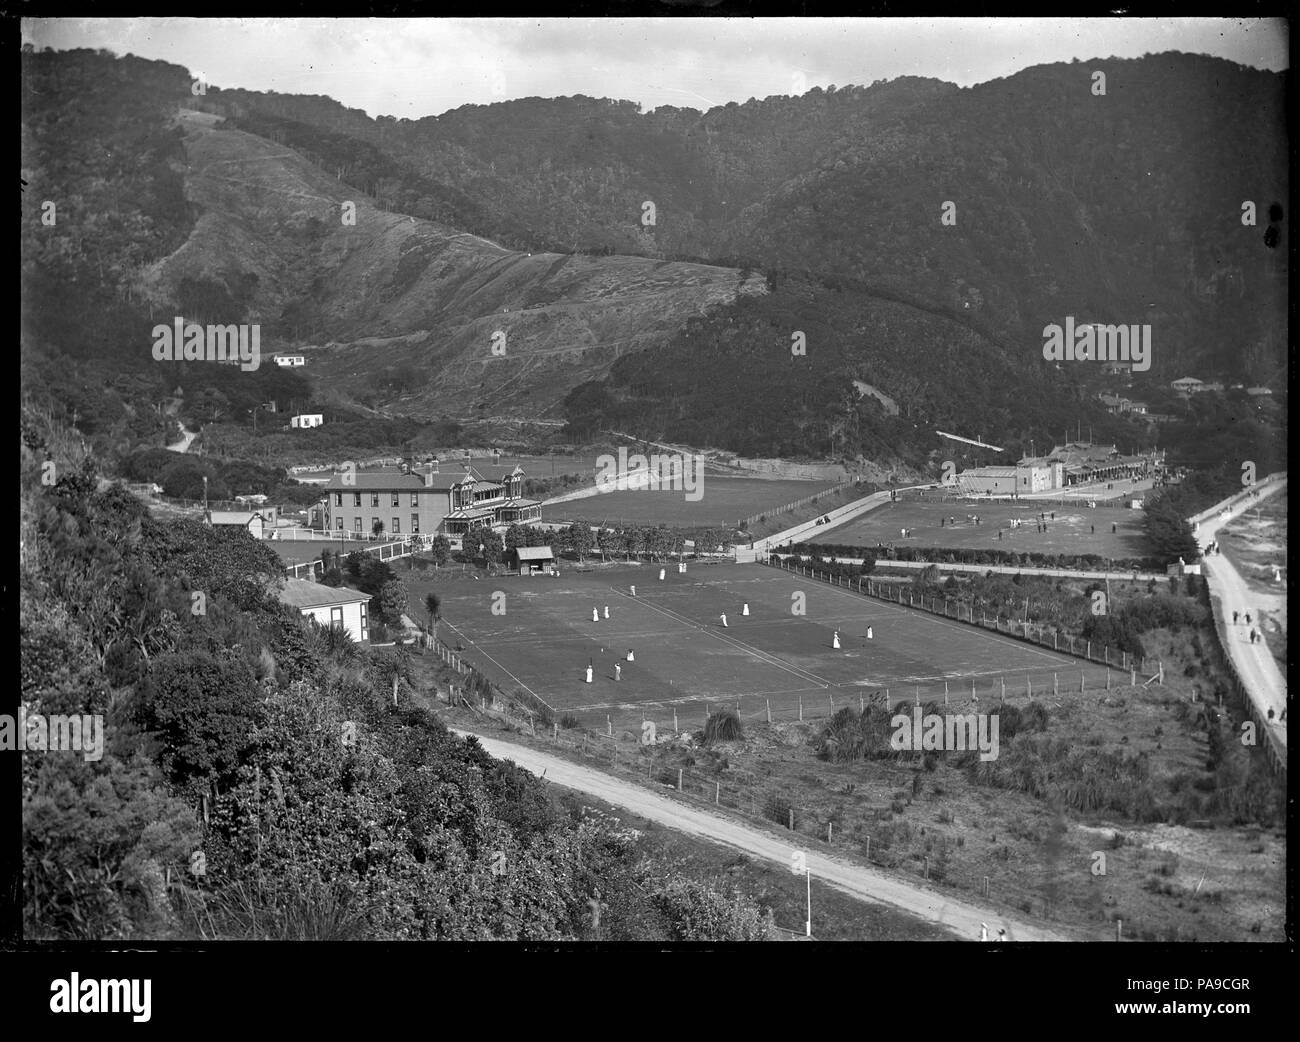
1076,529
686,662
723,501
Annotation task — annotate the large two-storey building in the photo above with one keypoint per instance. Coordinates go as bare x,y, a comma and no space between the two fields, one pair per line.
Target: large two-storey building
424,501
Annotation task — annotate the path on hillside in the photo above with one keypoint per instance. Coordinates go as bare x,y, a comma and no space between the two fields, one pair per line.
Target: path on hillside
187,438
962,919
1254,662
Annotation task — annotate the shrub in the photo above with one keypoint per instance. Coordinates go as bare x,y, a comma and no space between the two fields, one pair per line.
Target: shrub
569,722
723,726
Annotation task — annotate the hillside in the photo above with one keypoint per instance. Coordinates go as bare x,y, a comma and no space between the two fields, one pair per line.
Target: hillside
525,218
394,300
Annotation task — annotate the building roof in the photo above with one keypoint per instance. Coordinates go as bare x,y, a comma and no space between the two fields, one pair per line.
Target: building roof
233,517
470,514
520,501
989,472
499,474
534,553
302,593
387,480
1188,380
1258,390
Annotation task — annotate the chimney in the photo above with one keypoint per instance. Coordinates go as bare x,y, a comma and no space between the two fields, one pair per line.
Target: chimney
428,476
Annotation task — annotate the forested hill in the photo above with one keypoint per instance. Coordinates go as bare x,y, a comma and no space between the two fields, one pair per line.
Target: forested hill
1122,207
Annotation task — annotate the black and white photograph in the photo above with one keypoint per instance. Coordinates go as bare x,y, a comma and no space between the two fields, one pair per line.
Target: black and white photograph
614,484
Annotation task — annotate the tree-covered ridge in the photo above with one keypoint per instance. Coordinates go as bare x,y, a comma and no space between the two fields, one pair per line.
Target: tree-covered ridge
299,771
1124,207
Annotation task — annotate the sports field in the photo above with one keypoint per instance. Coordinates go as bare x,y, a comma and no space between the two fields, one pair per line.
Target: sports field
543,637
722,501
1076,529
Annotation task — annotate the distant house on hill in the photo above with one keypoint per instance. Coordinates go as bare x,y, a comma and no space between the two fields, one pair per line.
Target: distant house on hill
307,419
1188,385
336,606
1258,391
290,360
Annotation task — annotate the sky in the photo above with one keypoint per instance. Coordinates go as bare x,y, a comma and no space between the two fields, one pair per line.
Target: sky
411,68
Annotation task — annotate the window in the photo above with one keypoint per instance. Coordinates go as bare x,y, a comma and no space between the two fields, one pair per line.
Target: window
338,499
374,523
356,499
365,622
374,499
356,523
340,524
397,525
336,618
397,501
415,499
415,522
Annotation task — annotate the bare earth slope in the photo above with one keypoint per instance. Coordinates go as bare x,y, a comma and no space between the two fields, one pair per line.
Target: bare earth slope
399,293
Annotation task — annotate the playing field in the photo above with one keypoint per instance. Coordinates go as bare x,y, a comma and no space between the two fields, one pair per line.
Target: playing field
543,637
1076,529
722,501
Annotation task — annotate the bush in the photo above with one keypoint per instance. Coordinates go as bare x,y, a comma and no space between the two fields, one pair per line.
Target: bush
570,722
723,726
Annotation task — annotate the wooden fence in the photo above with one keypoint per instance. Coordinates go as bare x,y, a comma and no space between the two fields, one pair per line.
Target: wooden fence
744,521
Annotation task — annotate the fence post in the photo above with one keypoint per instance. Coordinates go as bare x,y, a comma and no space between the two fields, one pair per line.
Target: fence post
610,724
769,710
1056,690
791,819
801,708
1081,681
717,792
1107,676
830,827
679,779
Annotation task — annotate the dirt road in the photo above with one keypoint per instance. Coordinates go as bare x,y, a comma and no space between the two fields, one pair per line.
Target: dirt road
962,919
1255,664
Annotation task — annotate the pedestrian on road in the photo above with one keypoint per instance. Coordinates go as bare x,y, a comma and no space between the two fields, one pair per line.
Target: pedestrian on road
1234,617
1247,618
1092,529
618,671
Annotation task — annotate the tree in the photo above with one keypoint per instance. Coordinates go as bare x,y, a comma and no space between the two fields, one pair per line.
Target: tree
377,529
392,600
204,711
433,608
580,539
440,549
